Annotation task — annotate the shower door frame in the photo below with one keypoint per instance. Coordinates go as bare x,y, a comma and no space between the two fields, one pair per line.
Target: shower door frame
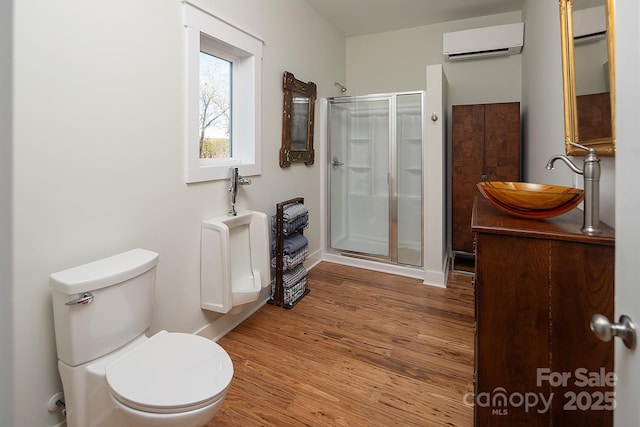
392,179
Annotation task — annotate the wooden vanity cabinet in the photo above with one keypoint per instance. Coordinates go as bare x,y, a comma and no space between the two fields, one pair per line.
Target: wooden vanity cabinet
485,142
537,285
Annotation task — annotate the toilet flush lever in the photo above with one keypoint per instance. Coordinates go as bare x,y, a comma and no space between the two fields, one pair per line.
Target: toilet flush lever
85,298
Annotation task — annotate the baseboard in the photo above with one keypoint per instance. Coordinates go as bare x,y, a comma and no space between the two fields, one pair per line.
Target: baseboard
416,273
227,322
438,278
313,260
429,277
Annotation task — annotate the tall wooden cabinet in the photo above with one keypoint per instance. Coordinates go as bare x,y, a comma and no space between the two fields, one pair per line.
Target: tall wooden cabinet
537,285
485,147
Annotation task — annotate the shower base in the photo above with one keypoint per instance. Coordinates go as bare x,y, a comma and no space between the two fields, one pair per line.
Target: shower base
355,260
373,255
367,248
410,255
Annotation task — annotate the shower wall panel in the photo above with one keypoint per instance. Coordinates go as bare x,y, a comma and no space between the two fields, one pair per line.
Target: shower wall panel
409,145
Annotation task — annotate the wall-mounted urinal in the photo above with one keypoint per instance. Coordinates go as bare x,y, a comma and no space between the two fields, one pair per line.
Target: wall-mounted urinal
234,264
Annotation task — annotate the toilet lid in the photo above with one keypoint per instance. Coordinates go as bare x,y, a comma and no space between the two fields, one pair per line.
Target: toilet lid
171,372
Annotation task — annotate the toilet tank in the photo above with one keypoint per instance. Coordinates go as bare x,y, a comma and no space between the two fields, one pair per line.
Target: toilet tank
122,287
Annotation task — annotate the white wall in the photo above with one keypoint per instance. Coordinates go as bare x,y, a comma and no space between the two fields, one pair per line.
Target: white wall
98,154
542,93
6,208
542,106
395,61
435,203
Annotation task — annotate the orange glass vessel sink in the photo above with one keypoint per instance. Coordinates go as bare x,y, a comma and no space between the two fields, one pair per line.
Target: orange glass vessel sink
528,200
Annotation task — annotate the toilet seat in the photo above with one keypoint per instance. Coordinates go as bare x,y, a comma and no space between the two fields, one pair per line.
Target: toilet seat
171,373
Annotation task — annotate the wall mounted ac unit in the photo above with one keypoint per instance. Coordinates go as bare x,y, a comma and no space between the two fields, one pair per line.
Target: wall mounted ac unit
589,24
481,42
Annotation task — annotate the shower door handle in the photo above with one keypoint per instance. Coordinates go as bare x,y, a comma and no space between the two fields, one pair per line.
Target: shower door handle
335,162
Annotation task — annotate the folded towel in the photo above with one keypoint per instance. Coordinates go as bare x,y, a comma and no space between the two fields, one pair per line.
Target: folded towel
291,277
294,211
291,243
291,226
290,261
294,293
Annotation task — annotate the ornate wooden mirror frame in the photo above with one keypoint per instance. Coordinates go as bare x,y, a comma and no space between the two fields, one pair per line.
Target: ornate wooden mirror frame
587,118
297,121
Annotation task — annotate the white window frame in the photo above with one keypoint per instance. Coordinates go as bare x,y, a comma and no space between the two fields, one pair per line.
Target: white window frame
205,31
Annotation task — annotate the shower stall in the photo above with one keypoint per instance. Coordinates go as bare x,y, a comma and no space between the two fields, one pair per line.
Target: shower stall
375,158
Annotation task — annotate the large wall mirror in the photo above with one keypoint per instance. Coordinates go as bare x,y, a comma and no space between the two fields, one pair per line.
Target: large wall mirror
588,68
297,121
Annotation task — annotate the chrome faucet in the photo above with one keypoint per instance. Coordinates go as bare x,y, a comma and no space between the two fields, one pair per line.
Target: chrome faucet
591,174
234,180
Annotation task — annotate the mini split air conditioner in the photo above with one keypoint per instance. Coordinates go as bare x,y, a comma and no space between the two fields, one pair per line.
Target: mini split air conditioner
481,42
589,24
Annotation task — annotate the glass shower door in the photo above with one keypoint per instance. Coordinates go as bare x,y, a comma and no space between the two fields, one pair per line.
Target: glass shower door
359,146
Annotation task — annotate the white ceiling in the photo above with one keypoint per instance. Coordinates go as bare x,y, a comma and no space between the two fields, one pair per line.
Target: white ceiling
360,17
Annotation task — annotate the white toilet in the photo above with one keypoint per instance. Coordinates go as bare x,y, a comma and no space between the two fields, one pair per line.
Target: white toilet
112,374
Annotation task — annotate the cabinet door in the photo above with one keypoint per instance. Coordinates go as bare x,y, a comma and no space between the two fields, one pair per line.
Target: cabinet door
512,315
467,135
485,146
581,286
502,142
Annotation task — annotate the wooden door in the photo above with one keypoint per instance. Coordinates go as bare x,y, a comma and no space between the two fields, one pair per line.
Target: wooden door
502,142
485,146
467,135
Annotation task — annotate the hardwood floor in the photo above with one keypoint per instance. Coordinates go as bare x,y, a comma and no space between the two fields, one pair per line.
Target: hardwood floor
361,349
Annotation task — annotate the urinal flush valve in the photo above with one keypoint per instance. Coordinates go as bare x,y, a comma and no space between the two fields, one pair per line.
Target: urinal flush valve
234,180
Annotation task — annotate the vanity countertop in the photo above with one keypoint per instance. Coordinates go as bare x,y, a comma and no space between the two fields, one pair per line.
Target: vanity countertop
487,218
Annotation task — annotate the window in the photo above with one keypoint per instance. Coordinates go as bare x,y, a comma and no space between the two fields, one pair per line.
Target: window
214,116
223,73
